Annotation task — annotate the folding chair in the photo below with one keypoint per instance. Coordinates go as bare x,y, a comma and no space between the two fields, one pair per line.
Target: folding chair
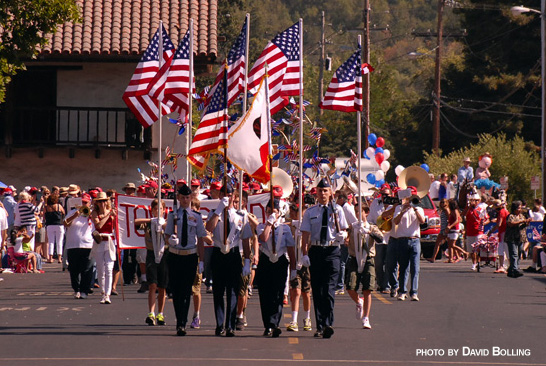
17,265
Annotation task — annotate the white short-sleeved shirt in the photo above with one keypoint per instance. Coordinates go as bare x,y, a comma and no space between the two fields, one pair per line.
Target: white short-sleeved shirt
434,189
409,226
312,221
78,234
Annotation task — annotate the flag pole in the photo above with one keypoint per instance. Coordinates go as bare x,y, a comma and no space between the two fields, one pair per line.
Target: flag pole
359,141
226,212
300,172
159,170
271,195
245,91
189,126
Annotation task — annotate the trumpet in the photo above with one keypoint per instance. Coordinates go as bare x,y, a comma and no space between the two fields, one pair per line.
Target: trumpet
84,210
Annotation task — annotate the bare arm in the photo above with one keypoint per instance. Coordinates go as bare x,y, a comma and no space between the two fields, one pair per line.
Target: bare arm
305,236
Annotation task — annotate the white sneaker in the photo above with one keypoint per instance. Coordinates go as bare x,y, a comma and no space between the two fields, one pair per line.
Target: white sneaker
402,297
77,295
360,309
366,323
474,267
107,299
103,300
83,295
414,297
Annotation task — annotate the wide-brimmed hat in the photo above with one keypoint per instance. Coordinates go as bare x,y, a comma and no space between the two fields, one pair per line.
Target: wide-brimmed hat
73,189
129,186
102,196
63,190
466,159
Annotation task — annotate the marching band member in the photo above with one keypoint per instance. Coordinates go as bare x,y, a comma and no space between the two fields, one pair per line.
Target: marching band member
360,269
323,231
156,261
276,242
301,285
185,255
226,259
103,216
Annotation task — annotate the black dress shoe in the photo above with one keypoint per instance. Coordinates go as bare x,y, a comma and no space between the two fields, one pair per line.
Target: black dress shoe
328,332
517,274
276,332
180,331
268,332
219,331
230,333
318,334
530,270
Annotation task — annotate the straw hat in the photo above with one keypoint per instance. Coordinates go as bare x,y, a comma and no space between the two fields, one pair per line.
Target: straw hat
129,186
73,189
102,196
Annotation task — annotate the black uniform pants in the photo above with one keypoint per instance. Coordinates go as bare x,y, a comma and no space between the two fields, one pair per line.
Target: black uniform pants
226,277
80,267
324,269
271,279
182,269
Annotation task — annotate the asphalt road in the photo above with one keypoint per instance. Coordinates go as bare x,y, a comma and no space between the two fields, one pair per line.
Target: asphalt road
463,318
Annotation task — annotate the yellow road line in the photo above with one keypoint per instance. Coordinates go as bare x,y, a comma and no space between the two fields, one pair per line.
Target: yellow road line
293,340
287,315
381,298
297,356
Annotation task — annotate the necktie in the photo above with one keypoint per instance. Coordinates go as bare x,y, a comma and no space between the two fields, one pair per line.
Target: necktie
324,228
184,229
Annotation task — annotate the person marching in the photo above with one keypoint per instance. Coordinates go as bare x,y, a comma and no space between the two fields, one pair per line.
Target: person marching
360,269
185,255
301,285
271,273
226,259
323,231
103,217
156,261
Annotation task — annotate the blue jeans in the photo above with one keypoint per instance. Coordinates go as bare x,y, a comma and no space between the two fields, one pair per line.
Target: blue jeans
343,261
513,254
410,253
391,268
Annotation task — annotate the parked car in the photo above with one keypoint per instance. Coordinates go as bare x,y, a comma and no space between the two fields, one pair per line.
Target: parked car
431,228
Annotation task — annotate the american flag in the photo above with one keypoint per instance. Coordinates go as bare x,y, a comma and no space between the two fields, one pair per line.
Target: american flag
177,86
211,135
145,89
345,90
282,56
236,61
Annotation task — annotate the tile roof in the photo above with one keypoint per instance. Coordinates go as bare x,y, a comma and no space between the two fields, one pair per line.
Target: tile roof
125,27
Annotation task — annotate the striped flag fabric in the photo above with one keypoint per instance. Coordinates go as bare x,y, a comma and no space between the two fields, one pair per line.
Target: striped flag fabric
177,86
282,56
146,87
211,135
236,61
345,90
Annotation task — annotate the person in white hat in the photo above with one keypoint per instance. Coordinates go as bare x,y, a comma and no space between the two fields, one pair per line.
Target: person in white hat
465,172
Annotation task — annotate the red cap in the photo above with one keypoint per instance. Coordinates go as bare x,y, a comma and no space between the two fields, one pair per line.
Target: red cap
180,182
7,190
255,186
385,186
141,189
93,193
195,183
413,190
152,184
206,191
86,197
277,191
216,185
313,190
33,190
395,190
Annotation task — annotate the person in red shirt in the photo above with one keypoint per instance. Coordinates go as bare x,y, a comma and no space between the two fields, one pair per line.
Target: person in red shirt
476,218
502,214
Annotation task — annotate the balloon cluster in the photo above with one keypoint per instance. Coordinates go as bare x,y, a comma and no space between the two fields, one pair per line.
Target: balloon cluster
400,168
380,155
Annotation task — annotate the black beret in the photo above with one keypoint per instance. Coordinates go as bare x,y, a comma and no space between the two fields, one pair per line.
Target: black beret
227,188
323,183
184,190
276,203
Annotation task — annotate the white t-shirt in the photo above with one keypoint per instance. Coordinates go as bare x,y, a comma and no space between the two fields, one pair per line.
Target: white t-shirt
78,234
433,190
3,223
409,224
350,214
451,190
536,216
18,247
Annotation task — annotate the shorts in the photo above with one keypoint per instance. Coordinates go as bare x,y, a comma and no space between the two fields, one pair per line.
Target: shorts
141,255
302,280
156,273
366,279
21,256
453,236
243,285
41,236
468,243
196,287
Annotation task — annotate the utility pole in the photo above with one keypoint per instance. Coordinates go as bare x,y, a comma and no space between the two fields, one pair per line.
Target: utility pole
321,74
437,89
366,77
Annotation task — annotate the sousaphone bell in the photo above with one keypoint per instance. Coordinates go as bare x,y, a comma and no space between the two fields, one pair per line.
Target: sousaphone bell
281,178
417,177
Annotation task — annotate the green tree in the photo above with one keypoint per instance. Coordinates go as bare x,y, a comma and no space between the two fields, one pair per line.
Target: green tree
24,24
514,158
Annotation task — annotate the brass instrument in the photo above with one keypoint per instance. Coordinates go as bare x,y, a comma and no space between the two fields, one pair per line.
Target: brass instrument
383,224
283,179
417,177
84,211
